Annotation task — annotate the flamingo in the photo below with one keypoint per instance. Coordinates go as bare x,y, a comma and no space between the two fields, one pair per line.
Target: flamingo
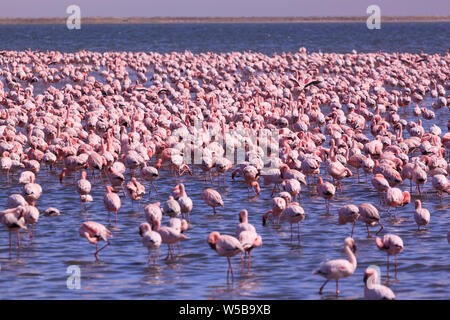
135,190
369,215
326,190
392,245
171,208
243,223
153,212
95,232
421,215
226,246
13,220
339,268
373,290
294,214
83,187
348,213
278,205
112,201
150,174
396,198
184,201
249,240
169,236
151,240
212,198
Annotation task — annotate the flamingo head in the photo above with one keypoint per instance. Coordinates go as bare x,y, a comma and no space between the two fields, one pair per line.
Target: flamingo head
243,214
212,239
256,187
143,228
418,204
406,198
349,242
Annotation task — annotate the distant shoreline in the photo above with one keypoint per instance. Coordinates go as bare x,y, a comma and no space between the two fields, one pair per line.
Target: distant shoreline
175,20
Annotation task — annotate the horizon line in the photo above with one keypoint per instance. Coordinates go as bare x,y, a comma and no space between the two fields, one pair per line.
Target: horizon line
212,19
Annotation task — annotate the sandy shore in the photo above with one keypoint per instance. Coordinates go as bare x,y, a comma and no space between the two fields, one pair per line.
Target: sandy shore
149,20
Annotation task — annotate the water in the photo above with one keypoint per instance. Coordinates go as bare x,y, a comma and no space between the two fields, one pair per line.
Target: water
281,269
266,38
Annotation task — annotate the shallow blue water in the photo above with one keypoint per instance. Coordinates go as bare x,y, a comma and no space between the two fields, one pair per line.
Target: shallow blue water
266,38
281,269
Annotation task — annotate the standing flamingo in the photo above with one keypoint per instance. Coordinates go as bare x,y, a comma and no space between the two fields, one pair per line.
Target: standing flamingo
373,290
369,215
184,201
94,232
14,221
392,245
150,239
348,213
339,268
112,201
212,198
326,190
225,246
83,187
421,215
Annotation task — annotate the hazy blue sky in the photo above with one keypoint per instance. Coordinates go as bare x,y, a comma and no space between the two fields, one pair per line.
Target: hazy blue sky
154,8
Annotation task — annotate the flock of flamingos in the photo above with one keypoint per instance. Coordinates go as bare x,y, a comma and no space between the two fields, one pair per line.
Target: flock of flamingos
129,117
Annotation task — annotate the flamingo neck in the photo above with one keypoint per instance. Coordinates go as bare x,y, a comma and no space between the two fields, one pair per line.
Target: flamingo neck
351,256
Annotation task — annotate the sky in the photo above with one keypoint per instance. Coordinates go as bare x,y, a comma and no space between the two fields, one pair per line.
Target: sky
220,8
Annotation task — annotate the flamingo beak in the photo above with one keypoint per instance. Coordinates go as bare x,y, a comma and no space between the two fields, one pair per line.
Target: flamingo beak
354,248
366,277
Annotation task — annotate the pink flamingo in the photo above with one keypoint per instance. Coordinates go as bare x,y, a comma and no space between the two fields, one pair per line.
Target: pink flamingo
396,198
278,205
184,201
225,246
326,190
373,290
169,236
150,239
83,187
212,198
369,215
243,223
348,213
421,215
339,268
112,201
249,240
14,221
294,214
381,184
94,232
392,245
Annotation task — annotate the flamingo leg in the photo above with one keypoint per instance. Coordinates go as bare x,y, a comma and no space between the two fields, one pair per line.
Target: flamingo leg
382,227
395,266
337,287
298,231
97,250
388,265
230,268
10,241
18,240
321,288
